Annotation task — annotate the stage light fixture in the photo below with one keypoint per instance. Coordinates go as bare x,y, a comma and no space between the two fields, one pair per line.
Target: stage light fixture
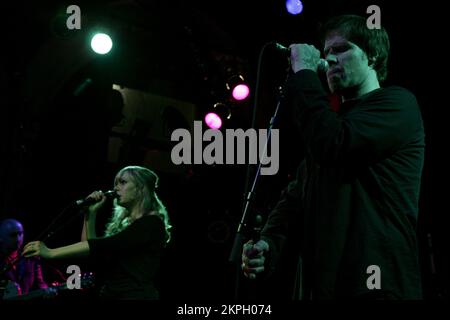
238,87
101,43
294,7
218,115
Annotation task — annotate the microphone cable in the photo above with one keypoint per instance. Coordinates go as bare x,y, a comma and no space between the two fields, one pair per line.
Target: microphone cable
49,233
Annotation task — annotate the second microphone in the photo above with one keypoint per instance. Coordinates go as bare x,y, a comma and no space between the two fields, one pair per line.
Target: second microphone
323,64
89,201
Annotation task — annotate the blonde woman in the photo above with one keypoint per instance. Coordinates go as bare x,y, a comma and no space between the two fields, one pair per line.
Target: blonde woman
128,256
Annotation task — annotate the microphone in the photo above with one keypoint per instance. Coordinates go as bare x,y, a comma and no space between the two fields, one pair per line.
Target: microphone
257,229
89,201
323,64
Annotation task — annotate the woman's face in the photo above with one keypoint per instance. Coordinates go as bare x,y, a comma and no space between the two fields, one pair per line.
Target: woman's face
126,189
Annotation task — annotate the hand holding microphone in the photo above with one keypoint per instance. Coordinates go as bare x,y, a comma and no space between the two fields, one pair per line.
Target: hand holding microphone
97,197
304,56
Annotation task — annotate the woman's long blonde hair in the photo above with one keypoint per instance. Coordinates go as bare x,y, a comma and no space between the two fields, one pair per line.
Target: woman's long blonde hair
146,182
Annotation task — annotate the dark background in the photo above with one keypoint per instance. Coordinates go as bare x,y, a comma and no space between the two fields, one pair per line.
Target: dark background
54,143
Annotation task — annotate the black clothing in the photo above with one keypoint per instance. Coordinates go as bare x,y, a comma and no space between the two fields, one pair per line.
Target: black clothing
355,201
130,259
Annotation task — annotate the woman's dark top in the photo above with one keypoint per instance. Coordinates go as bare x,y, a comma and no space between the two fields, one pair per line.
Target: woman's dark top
129,260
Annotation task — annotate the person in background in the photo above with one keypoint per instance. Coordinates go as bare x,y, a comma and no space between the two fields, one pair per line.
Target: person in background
24,273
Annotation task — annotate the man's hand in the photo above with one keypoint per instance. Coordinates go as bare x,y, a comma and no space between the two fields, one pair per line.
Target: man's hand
253,258
304,56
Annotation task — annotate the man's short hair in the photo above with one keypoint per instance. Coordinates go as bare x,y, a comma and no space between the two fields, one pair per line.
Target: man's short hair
374,42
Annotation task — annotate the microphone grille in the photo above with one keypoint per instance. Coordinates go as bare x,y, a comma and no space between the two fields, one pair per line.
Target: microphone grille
281,48
323,66
110,193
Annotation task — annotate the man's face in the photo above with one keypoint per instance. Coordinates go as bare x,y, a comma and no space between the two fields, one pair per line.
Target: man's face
11,236
349,67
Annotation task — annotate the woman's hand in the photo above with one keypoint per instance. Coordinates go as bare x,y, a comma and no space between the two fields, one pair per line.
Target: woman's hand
37,248
100,198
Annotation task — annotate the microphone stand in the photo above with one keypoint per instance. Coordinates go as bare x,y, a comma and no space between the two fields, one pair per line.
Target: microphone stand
50,231
79,204
235,255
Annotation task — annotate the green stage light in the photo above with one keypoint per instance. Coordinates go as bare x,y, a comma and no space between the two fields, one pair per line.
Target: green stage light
101,43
